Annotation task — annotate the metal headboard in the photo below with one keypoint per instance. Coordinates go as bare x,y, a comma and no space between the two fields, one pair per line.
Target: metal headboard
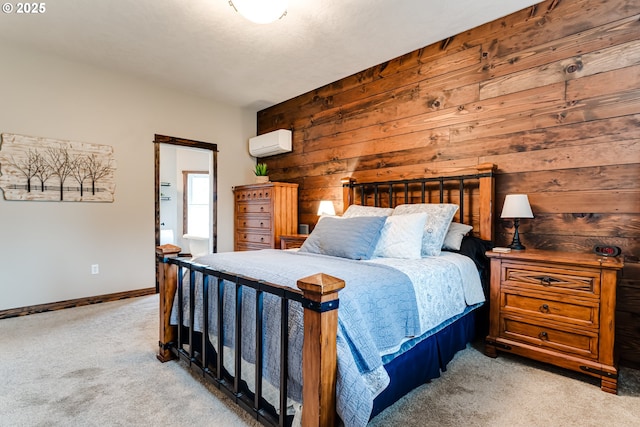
421,190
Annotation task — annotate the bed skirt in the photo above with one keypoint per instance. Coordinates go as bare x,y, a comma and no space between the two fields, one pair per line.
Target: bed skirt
425,360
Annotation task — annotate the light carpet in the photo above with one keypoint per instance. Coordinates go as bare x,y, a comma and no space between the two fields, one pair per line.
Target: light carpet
96,366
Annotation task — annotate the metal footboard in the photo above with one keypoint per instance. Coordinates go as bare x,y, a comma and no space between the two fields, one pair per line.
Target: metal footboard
207,359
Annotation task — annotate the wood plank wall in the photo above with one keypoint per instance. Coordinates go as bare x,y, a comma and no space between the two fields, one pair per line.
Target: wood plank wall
551,94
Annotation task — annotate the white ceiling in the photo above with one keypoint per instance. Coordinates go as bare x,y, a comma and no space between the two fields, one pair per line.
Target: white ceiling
206,47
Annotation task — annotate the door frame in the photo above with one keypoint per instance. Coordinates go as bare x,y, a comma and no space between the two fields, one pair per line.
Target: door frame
172,140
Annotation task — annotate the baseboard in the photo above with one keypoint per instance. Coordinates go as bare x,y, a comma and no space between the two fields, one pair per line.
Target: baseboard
41,308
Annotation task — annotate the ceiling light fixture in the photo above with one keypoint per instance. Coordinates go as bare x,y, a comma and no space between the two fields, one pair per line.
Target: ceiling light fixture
260,11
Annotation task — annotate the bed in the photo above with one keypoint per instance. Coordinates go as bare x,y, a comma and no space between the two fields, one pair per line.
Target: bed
356,319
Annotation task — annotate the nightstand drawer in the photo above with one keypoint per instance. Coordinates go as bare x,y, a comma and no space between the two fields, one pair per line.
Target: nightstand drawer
583,344
529,304
292,241
575,282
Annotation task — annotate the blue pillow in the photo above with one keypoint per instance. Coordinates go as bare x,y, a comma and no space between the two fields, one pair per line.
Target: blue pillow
353,238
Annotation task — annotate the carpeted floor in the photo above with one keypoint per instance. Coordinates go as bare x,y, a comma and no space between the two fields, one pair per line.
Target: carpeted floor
96,366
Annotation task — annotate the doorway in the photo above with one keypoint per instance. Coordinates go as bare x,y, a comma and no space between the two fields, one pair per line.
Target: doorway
167,190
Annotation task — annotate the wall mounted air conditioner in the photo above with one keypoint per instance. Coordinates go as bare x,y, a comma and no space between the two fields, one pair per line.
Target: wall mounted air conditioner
268,144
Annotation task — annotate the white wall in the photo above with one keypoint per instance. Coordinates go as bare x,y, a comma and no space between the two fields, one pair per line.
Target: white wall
168,174
173,161
47,248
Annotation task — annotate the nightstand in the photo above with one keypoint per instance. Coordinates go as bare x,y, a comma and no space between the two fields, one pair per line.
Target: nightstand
292,241
556,307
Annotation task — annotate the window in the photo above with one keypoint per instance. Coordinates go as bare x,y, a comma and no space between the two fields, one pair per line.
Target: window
196,203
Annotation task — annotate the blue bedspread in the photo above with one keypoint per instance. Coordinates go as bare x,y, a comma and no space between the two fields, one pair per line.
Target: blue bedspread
377,311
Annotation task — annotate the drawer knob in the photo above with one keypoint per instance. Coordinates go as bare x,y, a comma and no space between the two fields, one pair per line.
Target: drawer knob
262,239
544,308
244,224
261,208
543,335
261,224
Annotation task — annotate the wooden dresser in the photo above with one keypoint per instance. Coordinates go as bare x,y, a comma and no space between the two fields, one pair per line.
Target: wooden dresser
262,213
556,307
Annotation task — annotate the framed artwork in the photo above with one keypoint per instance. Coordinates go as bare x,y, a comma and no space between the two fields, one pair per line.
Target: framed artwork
34,168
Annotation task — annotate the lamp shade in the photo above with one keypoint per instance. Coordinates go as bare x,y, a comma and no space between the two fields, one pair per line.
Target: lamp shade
260,11
326,208
516,206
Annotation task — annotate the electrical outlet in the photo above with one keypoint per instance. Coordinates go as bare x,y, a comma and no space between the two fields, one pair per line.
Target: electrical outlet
95,268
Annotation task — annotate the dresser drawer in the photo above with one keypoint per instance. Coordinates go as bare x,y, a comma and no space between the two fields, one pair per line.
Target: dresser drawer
574,282
581,343
253,238
253,222
534,305
253,194
251,246
254,207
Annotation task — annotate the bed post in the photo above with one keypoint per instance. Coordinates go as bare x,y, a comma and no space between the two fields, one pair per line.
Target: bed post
167,281
487,191
347,192
319,360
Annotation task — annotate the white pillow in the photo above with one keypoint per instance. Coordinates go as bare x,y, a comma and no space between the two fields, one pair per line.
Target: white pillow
358,210
401,237
454,236
439,217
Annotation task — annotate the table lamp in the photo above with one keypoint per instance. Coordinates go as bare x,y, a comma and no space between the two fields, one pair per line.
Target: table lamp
516,206
326,208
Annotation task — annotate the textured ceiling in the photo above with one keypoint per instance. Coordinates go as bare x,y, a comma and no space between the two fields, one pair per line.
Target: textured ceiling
206,47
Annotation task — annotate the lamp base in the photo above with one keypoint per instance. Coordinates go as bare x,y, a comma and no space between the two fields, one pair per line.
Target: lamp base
517,247
515,243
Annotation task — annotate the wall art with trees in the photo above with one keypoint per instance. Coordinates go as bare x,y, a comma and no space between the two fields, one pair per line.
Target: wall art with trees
34,168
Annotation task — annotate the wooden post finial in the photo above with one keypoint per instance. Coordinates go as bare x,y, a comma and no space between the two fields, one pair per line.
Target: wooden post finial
321,284
168,250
